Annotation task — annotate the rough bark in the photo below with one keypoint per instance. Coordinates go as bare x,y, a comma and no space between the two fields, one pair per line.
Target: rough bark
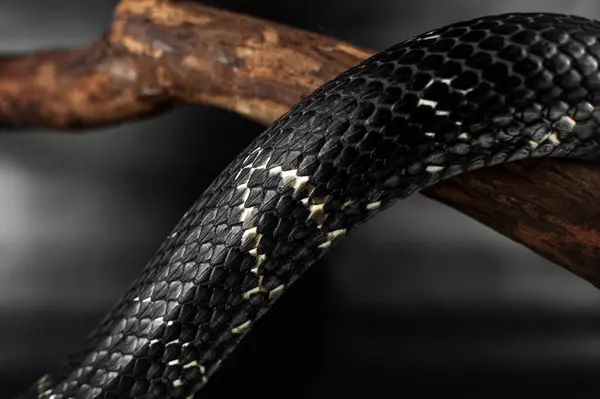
160,52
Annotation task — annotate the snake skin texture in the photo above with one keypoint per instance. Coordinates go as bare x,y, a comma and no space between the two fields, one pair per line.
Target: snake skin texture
470,95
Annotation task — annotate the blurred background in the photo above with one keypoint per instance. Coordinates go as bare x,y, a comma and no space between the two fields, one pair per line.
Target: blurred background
421,298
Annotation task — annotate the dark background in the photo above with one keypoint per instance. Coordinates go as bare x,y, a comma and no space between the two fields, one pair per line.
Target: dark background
419,298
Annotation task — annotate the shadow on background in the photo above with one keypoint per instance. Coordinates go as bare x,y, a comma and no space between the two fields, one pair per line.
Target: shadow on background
419,298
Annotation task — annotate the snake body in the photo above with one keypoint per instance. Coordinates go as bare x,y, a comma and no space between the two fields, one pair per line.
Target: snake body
469,95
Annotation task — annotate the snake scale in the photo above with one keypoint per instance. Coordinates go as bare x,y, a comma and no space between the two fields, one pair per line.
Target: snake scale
469,95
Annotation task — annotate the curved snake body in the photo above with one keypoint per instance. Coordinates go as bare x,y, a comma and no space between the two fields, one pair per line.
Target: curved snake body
470,95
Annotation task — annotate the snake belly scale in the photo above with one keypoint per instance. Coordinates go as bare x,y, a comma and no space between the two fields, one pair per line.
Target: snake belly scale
473,94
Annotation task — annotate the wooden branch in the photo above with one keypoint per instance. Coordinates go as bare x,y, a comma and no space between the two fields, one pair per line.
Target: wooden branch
550,206
159,52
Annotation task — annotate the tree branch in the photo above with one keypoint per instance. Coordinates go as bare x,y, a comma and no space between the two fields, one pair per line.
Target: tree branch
160,52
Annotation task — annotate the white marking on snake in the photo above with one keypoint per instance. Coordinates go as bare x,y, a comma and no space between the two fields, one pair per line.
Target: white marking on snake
325,245
248,236
246,217
464,136
428,103
241,328
260,259
317,212
554,138
275,170
373,206
300,183
276,291
335,234
434,168
251,238
289,176
331,237
256,290
195,364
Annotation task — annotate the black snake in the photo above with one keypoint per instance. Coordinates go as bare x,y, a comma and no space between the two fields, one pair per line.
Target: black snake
476,93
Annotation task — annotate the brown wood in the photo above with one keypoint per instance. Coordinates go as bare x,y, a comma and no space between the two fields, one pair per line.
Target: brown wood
159,52
548,205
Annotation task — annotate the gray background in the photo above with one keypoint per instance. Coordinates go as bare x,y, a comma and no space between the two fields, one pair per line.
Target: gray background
421,297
